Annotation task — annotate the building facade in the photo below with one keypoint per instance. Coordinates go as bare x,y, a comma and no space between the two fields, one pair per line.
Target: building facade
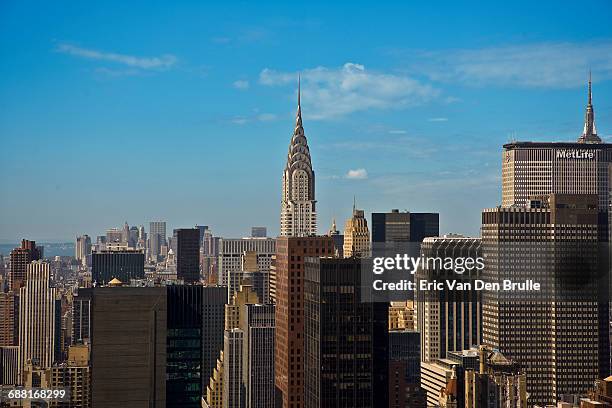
289,296
231,259
298,205
346,355
121,264
187,254
20,258
448,320
560,333
356,235
39,318
258,355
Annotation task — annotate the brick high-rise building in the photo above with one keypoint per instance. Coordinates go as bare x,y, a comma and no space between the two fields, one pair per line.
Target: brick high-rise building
289,293
20,258
9,318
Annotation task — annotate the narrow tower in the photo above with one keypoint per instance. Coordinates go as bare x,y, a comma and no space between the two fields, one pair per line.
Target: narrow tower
298,213
589,134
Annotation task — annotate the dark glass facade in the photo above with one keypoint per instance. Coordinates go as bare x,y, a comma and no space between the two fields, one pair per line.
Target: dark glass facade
346,340
123,265
187,254
184,346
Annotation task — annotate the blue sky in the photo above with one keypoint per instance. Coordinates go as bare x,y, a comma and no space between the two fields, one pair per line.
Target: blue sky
183,111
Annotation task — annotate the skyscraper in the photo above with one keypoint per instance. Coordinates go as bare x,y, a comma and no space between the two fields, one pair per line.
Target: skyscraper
123,265
129,340
187,254
9,318
536,168
259,232
258,355
184,379
39,318
298,210
404,370
289,294
231,255
557,333
154,345
448,320
20,258
404,229
157,238
82,247
356,235
214,301
81,317
233,387
346,353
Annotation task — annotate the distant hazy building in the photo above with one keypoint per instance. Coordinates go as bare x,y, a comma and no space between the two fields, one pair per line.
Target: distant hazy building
298,204
39,318
133,235
338,239
346,355
157,238
20,258
258,355
121,264
187,254
82,248
259,232
114,235
356,235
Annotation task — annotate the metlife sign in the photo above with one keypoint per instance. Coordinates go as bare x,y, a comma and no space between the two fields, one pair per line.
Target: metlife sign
584,154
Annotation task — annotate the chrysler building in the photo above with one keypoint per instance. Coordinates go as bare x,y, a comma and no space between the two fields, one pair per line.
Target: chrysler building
298,212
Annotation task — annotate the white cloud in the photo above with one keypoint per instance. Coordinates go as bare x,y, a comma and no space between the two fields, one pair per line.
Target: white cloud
261,117
241,84
357,174
437,120
239,120
266,117
544,65
397,132
334,92
162,62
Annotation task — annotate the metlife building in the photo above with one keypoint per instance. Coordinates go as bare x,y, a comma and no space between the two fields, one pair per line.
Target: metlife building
531,169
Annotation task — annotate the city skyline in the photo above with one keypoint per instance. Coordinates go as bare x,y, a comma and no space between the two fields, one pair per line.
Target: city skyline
383,121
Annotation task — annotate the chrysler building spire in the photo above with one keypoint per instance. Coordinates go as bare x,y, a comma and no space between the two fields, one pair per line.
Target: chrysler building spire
589,134
298,212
